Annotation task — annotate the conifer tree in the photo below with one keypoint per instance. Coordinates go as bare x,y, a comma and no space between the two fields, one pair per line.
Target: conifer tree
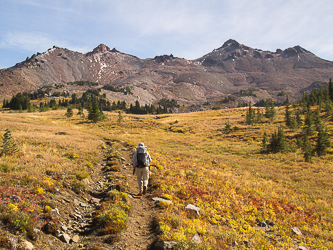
80,111
288,113
304,102
74,99
69,112
264,142
227,128
120,117
328,107
307,148
320,97
293,123
250,113
326,94
308,123
298,117
8,147
270,110
317,119
94,113
330,89
259,115
323,141
278,142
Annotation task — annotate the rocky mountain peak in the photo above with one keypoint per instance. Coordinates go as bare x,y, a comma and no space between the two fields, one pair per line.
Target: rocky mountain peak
101,49
163,58
230,42
230,45
293,51
114,50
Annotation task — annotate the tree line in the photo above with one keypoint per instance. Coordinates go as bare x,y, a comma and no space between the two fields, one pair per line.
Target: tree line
305,117
90,99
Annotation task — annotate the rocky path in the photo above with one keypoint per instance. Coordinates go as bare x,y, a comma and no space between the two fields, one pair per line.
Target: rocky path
75,214
140,233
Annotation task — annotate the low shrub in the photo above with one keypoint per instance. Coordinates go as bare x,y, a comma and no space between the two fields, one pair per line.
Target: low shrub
77,186
112,221
80,175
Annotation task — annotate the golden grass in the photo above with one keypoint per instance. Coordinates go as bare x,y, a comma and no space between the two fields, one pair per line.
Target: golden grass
224,174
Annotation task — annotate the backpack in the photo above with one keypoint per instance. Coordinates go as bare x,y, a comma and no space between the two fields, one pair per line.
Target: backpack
141,157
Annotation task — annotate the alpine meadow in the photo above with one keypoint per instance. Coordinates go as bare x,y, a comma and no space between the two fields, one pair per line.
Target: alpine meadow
225,179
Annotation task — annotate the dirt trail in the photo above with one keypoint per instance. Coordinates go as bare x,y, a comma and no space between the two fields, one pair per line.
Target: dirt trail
140,232
76,213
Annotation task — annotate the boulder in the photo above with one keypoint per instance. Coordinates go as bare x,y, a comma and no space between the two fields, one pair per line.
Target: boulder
247,243
161,200
82,204
262,224
164,245
76,238
65,238
193,208
94,200
302,248
196,239
296,231
56,210
78,216
86,181
26,245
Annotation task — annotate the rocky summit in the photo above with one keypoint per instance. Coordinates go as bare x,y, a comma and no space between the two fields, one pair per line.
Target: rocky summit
226,71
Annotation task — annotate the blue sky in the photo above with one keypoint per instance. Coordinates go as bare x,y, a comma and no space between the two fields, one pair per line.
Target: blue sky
146,28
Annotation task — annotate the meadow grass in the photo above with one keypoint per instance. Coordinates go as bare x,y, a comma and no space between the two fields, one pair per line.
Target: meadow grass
232,182
226,175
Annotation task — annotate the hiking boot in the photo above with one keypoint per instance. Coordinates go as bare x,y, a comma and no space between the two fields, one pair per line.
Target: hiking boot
144,190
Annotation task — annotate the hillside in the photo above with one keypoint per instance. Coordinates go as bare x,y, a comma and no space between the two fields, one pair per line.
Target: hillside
222,72
71,184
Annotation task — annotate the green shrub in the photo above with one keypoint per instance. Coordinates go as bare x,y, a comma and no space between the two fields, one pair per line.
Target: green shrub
112,221
113,154
18,221
77,186
4,168
114,194
115,168
80,175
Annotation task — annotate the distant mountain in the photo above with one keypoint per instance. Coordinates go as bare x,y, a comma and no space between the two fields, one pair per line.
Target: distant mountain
222,72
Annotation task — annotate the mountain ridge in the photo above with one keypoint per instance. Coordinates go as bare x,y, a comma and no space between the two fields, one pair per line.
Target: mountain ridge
217,74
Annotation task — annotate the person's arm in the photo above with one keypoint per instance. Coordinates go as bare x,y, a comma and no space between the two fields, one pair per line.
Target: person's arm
149,158
134,162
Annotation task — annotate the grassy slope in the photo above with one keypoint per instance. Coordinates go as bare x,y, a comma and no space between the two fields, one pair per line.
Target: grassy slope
225,175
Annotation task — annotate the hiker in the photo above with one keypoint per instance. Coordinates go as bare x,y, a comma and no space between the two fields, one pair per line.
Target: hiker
141,161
